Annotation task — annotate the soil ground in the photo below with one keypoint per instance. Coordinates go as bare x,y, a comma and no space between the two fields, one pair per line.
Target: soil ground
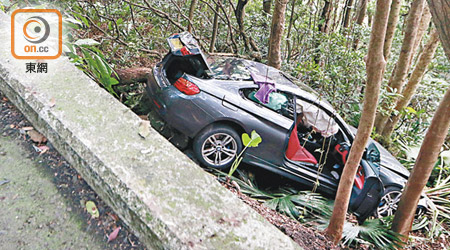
42,197
34,214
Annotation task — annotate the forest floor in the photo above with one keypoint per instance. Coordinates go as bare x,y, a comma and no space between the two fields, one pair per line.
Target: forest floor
42,197
306,237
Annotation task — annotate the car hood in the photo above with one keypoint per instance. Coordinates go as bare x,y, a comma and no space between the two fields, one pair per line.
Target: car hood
387,160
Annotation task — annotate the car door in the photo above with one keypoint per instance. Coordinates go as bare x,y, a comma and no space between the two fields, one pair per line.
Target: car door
310,141
269,122
367,188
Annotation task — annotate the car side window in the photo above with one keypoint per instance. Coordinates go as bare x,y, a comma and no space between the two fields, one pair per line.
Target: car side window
278,101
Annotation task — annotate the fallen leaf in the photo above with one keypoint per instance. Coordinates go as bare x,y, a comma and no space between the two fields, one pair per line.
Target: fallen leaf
11,125
92,209
144,129
4,181
52,103
230,221
144,117
37,149
147,151
43,149
236,186
114,234
36,137
113,216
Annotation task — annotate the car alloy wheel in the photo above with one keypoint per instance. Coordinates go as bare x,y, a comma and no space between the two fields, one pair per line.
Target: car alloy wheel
219,149
389,202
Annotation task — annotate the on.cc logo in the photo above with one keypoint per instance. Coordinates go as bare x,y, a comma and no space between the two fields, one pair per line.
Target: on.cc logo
36,29
36,34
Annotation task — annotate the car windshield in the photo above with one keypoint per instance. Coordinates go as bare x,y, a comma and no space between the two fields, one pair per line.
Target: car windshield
227,68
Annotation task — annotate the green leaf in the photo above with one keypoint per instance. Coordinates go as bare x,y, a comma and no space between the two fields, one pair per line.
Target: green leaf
411,110
86,42
101,67
66,49
284,205
246,139
254,141
92,209
73,23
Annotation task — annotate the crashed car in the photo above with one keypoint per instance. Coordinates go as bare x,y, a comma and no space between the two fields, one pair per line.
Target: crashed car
214,101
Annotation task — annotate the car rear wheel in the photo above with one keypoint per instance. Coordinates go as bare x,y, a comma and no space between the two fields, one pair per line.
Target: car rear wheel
217,146
389,201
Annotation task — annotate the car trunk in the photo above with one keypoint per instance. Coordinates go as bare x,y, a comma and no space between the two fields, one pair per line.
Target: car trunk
176,66
185,57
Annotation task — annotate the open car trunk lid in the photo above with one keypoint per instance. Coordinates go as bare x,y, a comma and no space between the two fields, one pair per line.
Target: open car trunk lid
184,44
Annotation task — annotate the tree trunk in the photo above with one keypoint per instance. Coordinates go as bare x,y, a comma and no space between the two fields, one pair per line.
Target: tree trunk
131,75
230,37
428,154
392,25
324,23
276,33
212,46
440,11
361,14
369,20
288,36
347,12
423,27
334,16
191,13
267,5
375,67
424,60
400,72
389,124
240,13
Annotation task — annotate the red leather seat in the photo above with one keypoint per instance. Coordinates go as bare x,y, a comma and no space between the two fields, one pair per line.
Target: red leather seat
296,152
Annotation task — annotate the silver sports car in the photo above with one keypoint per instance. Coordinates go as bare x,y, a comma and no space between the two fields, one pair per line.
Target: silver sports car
215,100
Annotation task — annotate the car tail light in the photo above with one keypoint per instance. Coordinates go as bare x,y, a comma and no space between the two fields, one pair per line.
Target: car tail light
187,87
185,51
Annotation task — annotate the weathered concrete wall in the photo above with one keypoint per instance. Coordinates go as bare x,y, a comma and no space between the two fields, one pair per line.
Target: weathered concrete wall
167,200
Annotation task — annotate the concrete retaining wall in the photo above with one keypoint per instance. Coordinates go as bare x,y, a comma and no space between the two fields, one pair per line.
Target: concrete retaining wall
166,199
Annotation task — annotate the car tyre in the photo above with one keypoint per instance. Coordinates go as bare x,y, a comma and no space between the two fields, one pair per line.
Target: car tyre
216,146
389,201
